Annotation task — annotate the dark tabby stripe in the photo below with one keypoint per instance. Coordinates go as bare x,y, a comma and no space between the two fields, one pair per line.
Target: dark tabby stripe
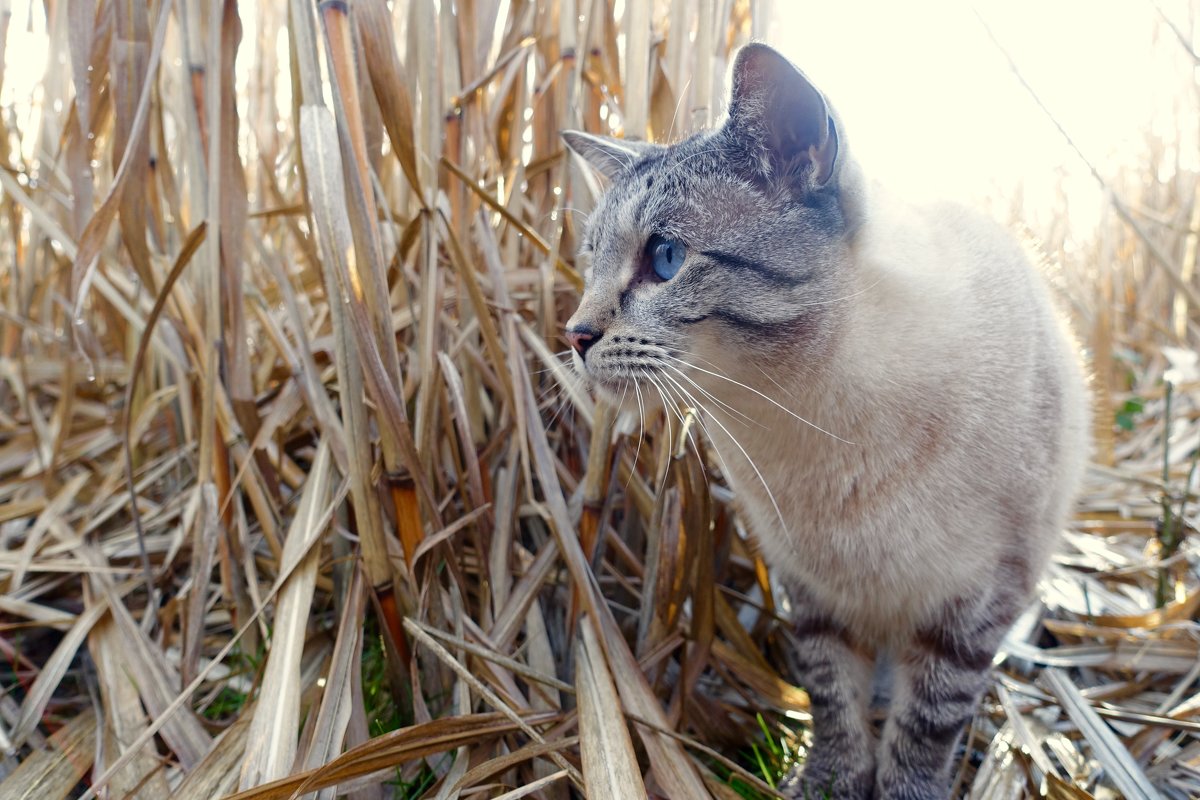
841,764
649,162
735,262
751,327
783,330
945,672
964,654
818,625
927,723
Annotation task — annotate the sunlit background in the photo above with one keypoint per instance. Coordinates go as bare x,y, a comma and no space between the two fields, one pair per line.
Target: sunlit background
933,106
930,101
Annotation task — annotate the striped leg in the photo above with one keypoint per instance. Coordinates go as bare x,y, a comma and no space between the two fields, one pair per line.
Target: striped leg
837,676
939,681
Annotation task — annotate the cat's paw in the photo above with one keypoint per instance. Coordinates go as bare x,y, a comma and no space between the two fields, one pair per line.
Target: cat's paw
820,781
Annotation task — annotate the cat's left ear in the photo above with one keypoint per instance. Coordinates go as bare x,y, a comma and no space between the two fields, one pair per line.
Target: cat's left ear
608,155
784,114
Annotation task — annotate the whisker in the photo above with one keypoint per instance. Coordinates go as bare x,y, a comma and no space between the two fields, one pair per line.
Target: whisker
649,376
557,388
563,401
549,399
679,164
841,299
769,399
585,214
564,361
624,391
673,403
670,428
641,428
711,396
700,412
679,103
749,460
570,381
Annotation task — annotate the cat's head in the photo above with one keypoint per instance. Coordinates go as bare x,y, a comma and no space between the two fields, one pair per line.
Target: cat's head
730,245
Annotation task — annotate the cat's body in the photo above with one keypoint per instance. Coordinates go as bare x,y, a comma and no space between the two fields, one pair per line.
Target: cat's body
950,417
888,390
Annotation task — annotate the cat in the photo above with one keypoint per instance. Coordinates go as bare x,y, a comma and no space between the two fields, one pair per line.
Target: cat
888,389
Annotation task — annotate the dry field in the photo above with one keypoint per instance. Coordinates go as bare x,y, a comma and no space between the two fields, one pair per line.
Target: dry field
297,498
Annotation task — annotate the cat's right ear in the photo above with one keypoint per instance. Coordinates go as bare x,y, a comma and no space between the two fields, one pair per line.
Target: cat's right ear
783,117
607,155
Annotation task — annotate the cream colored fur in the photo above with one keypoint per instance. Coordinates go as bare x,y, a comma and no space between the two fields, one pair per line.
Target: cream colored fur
933,384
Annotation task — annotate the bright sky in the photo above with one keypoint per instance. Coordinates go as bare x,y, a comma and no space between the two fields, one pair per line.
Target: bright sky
929,102
932,106
24,57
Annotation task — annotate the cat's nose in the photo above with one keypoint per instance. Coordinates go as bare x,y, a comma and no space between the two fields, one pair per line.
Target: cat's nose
581,338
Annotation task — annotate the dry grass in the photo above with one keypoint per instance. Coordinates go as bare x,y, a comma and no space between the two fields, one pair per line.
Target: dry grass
296,494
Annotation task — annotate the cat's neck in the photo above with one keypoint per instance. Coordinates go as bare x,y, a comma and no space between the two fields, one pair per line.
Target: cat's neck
880,343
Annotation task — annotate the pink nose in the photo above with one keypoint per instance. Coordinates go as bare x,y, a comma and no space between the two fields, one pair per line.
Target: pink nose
581,339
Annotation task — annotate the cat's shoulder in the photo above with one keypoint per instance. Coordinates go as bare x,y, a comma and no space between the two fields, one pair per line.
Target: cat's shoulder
947,228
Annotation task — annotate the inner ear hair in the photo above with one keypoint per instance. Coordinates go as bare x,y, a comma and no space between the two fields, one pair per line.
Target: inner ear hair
774,103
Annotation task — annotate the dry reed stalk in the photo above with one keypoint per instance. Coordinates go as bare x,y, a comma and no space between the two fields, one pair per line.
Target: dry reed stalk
609,763
284,434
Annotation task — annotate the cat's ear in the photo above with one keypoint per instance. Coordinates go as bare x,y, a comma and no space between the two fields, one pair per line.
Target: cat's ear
786,117
607,155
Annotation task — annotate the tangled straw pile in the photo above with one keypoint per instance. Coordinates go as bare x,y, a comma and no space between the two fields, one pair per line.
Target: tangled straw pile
296,493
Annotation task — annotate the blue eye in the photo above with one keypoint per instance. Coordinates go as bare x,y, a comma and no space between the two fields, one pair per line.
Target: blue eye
666,256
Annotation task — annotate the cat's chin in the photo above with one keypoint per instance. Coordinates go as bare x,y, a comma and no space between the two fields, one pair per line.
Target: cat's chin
635,397
610,390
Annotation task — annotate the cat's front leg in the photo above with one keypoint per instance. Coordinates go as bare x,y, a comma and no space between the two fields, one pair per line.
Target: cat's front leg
939,681
837,676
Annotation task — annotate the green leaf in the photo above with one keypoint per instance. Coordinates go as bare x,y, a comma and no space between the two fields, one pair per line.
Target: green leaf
1131,408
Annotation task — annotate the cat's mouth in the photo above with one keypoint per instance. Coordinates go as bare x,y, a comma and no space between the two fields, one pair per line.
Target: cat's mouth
609,378
638,373
639,394
641,384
